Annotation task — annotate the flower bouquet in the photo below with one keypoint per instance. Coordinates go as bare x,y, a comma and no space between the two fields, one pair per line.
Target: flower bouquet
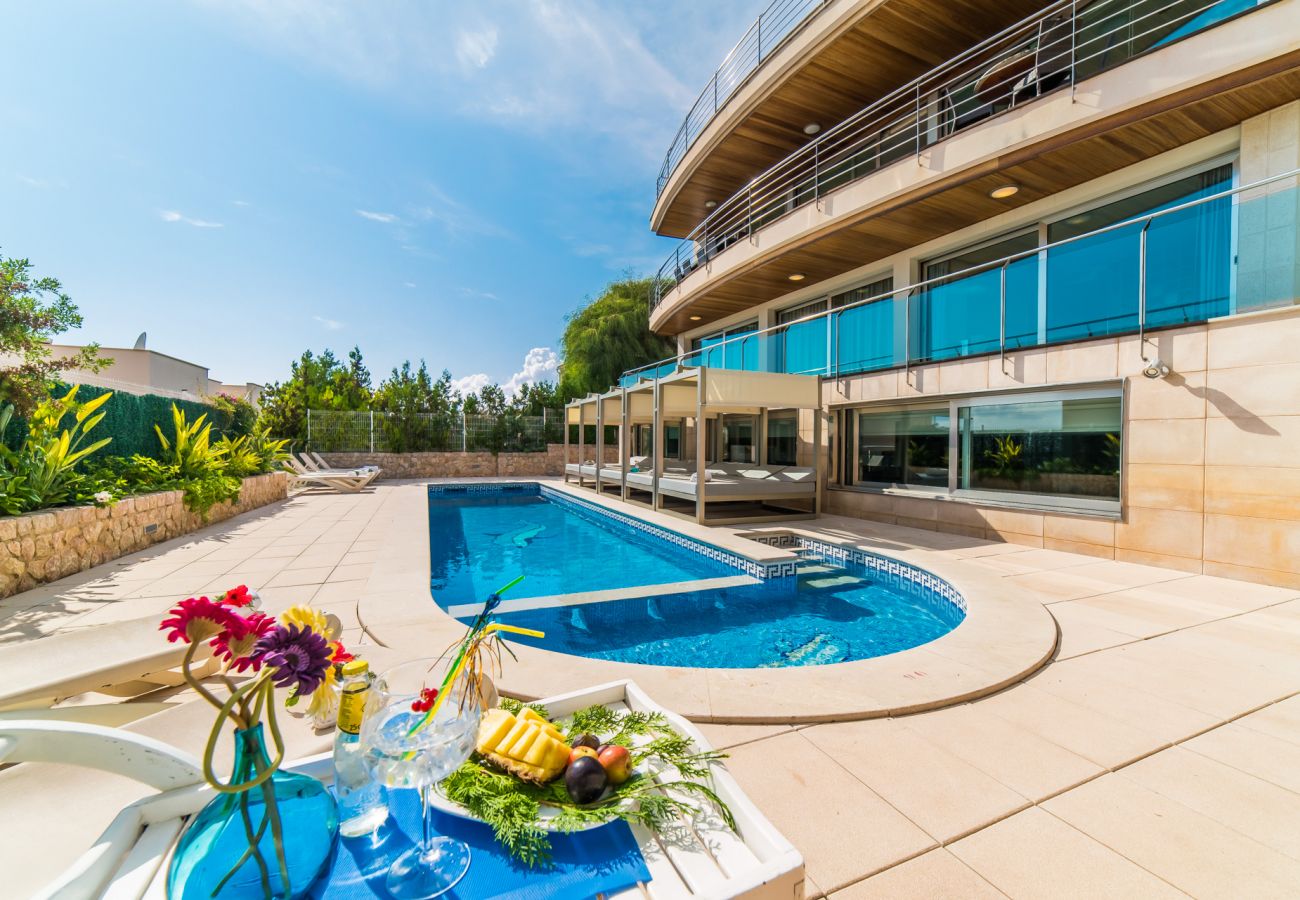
236,847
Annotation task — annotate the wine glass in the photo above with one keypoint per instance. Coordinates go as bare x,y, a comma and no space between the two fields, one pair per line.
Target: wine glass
399,758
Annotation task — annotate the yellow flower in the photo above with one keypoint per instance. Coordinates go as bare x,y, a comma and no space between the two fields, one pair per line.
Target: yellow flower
304,616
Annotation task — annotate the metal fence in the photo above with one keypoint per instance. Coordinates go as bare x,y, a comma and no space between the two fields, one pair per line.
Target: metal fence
382,432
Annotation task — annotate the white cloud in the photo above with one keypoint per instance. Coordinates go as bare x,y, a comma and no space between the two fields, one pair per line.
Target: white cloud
241,203
478,295
476,48
171,215
471,384
409,284
540,364
534,65
377,216
329,324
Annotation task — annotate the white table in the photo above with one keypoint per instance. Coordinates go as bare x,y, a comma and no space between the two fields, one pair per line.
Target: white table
702,859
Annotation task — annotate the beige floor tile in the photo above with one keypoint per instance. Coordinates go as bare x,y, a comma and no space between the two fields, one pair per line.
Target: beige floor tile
724,736
1256,808
1086,685
298,577
843,829
1033,854
1123,575
934,874
1132,612
1189,850
1261,755
1281,720
351,571
1089,733
935,789
1030,765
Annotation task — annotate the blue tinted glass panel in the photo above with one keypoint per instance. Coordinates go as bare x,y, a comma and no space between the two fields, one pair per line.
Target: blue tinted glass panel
864,337
962,315
804,350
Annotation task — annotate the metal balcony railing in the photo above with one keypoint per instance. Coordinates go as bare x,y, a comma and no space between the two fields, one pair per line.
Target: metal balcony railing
1202,259
1061,46
769,31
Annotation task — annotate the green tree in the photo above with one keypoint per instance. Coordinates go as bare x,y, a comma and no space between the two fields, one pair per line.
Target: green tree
608,336
32,312
533,398
315,382
420,411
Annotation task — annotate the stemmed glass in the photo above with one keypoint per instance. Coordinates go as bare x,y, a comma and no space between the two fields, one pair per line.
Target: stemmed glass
398,758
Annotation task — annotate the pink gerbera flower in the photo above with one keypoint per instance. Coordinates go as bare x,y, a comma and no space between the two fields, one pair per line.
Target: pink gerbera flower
236,643
198,619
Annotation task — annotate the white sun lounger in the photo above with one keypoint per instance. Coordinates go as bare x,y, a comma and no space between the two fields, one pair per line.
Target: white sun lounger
130,859
349,482
313,461
41,672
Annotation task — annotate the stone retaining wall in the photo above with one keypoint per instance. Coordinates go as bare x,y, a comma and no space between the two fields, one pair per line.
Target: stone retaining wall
465,465
54,543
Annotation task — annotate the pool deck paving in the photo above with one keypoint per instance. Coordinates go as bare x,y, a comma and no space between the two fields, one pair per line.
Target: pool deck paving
1155,753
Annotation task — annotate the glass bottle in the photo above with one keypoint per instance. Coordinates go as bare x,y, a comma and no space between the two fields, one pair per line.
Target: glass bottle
363,801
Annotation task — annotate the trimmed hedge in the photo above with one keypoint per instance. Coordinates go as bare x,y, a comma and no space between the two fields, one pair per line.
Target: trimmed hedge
129,421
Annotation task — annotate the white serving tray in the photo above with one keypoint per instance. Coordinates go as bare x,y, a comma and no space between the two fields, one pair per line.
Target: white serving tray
700,859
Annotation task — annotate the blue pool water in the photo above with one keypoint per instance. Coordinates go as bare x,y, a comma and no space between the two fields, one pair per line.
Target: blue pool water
828,613
480,540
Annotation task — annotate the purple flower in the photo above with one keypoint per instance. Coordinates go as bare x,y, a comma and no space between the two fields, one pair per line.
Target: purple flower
299,657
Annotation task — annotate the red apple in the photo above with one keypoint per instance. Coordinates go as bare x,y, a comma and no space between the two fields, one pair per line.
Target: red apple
617,762
578,753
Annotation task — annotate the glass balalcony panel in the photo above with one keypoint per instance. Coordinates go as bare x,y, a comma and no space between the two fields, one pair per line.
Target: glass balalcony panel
904,447
801,346
864,335
1092,284
1061,448
961,316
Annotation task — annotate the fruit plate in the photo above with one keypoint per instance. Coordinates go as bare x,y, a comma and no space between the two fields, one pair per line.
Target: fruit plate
546,817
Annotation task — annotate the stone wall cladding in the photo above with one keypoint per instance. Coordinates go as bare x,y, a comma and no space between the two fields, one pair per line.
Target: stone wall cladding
50,544
465,465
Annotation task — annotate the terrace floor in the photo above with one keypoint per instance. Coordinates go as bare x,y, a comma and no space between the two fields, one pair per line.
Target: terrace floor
1156,754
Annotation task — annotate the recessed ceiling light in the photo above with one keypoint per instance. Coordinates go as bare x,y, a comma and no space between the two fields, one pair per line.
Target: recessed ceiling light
710,204
796,276
1004,191
1081,219
812,128
695,318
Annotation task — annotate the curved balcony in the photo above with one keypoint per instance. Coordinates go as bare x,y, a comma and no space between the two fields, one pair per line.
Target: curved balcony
1065,44
770,31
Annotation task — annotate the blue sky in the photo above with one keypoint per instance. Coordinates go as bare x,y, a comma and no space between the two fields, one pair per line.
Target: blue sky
246,179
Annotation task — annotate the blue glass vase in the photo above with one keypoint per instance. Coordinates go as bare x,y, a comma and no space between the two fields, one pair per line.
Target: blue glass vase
218,837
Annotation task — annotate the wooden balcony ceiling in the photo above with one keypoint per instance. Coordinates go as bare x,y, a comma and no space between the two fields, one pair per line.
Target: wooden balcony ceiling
962,200
894,42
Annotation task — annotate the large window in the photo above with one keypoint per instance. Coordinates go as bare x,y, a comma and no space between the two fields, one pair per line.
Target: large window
1043,448
1063,448
905,447
783,439
736,437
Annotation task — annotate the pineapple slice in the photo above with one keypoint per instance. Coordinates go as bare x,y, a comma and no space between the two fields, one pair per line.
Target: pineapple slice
527,745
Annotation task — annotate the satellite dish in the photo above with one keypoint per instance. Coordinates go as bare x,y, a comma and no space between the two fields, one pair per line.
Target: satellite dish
139,342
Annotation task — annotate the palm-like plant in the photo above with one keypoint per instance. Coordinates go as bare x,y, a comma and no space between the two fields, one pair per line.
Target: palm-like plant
191,450
42,472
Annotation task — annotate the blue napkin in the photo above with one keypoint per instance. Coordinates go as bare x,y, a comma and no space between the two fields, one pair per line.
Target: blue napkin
604,860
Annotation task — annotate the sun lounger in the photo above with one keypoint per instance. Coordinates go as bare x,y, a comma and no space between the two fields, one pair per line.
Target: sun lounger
349,482
41,672
313,461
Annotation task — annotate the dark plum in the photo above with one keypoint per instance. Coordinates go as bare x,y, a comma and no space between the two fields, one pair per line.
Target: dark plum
585,780
586,740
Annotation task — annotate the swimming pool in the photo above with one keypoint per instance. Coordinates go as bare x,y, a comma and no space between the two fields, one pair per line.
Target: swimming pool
830,612
481,539
834,604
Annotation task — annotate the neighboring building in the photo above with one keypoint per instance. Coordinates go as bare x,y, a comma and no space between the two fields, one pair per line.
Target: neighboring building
142,371
905,197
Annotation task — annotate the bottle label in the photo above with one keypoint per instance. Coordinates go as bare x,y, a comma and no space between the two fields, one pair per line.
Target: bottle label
352,705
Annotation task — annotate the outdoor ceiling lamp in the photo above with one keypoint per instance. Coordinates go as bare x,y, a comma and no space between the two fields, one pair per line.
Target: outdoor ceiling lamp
1004,191
796,276
695,318
710,204
812,128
